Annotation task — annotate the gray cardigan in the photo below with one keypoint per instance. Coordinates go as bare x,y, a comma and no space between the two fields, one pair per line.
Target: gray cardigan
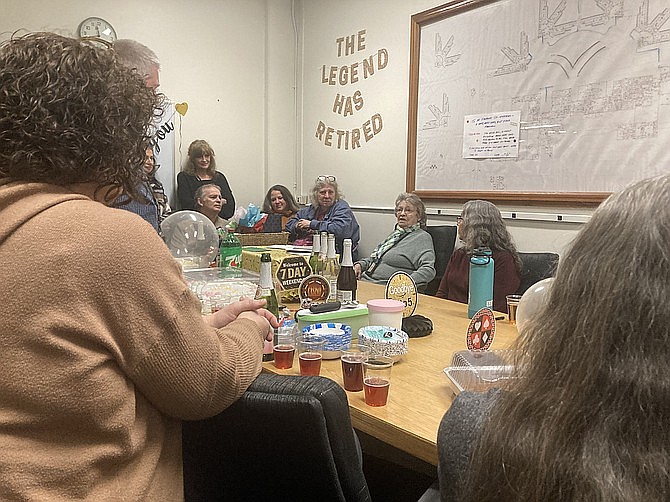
414,255
459,430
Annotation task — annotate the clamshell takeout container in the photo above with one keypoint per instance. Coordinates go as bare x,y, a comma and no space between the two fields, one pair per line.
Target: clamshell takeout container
478,371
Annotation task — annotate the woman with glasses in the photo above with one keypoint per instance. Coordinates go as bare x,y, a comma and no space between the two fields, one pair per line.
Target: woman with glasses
586,415
200,169
328,212
409,248
480,225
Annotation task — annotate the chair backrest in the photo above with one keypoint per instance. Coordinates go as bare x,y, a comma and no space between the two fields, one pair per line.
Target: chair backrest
535,267
444,240
286,438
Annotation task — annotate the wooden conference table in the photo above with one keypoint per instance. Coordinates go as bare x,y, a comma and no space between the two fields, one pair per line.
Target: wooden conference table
419,394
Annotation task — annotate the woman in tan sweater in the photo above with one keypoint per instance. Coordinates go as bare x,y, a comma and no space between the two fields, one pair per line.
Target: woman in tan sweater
104,350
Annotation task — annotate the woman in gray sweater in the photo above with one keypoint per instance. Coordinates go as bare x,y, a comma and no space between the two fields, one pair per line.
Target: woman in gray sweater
408,249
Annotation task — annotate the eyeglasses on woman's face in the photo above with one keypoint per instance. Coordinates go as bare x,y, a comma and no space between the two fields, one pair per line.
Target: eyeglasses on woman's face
406,210
459,219
328,178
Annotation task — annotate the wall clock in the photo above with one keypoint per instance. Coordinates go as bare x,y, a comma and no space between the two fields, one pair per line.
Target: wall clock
96,27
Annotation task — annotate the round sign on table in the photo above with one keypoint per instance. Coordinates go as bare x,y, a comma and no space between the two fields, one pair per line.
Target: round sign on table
402,287
314,288
482,329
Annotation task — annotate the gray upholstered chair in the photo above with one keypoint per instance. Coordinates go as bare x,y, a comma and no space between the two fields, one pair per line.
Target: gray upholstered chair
286,438
535,267
444,240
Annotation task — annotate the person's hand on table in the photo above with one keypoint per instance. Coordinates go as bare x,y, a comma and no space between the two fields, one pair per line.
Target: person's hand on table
246,308
303,224
358,269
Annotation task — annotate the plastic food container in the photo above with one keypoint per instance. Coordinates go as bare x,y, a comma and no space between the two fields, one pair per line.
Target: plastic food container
478,371
384,341
385,313
356,318
337,336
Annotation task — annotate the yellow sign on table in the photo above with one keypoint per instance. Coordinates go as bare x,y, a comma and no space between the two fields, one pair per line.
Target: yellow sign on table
288,270
402,287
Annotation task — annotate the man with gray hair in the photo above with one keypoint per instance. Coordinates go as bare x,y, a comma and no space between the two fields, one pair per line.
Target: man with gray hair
135,55
139,57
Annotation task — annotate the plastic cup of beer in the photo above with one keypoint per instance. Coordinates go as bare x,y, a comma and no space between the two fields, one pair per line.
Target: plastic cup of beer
310,353
377,379
352,358
284,348
512,305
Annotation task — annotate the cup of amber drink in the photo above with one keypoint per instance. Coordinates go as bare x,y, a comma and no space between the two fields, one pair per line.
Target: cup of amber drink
352,358
377,379
284,349
310,353
512,305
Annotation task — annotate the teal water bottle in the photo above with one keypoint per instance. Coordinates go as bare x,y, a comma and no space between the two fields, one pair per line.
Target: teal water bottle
480,293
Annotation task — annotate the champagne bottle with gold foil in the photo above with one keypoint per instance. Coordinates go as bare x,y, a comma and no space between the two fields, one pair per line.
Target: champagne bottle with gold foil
332,268
314,258
266,291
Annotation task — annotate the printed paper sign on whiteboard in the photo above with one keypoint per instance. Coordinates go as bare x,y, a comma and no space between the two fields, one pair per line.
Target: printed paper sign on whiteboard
491,135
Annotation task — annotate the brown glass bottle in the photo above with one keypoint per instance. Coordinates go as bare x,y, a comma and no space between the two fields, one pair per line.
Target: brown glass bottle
346,279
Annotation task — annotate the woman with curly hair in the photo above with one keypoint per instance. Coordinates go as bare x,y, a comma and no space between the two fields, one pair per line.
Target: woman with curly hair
104,348
200,169
587,414
480,225
328,212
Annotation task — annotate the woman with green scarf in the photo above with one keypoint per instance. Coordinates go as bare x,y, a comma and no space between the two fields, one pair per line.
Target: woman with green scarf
408,249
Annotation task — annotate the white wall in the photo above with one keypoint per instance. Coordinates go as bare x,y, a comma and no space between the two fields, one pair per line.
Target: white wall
232,61
374,174
250,71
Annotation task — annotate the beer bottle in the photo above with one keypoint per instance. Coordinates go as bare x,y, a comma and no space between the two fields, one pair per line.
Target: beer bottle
266,291
346,279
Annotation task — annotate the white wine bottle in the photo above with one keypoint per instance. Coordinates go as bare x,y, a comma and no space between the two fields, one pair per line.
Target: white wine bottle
346,279
332,268
321,267
314,258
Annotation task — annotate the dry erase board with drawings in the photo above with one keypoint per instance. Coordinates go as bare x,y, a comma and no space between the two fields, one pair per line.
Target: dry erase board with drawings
590,78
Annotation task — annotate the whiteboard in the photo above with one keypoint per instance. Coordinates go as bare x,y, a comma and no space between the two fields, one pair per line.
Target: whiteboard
591,80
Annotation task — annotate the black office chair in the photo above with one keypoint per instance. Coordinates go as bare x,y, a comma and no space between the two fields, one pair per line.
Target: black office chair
535,267
444,240
286,438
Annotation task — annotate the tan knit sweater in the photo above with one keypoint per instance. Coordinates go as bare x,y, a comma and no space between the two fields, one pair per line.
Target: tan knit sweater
103,351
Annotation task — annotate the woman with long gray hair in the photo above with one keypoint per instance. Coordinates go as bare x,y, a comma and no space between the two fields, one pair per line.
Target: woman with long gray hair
480,225
587,414
409,248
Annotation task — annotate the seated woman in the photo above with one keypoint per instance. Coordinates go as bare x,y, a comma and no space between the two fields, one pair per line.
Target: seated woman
481,225
150,168
200,169
208,201
280,206
328,212
408,249
586,417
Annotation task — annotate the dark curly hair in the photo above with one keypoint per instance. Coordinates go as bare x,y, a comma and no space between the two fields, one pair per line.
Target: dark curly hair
71,113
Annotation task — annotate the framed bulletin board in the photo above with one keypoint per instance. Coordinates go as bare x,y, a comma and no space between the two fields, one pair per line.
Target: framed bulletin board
584,86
